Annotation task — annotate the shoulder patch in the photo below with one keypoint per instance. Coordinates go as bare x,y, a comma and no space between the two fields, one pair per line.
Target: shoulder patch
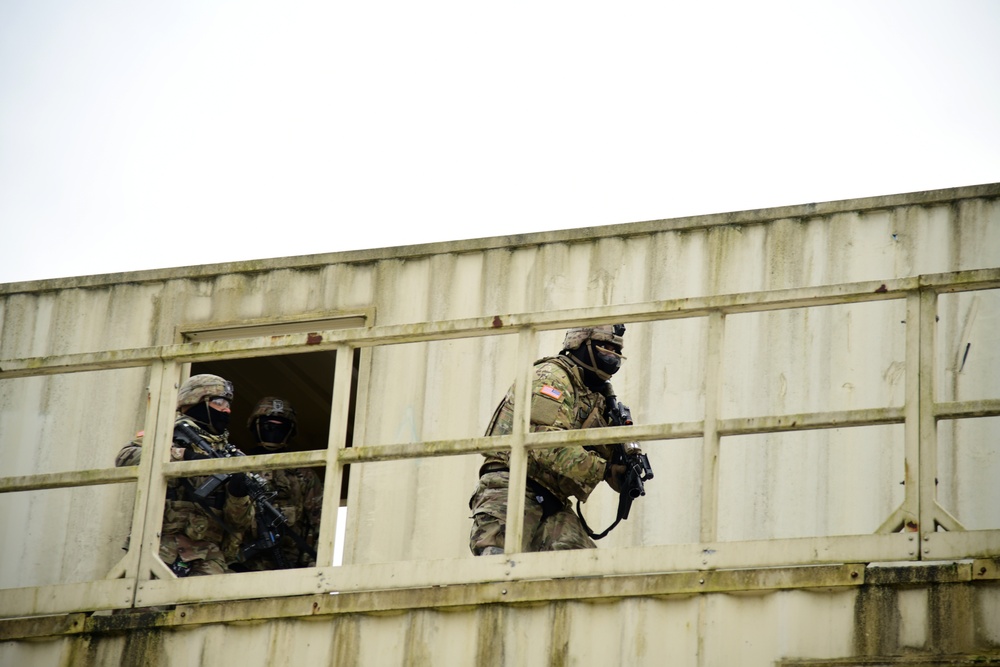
551,392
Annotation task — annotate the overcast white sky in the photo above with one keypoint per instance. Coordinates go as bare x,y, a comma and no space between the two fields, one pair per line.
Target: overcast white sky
138,135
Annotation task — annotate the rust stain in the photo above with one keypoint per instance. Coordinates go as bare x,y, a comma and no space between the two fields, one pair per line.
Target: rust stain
497,322
313,339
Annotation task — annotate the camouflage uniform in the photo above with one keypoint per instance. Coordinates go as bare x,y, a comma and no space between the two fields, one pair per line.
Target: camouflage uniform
300,499
559,401
298,493
192,540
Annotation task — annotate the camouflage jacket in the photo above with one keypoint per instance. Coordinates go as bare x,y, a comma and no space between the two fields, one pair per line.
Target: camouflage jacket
299,496
181,515
559,401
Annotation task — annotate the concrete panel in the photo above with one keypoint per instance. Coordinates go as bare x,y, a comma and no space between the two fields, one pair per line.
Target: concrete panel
880,624
772,486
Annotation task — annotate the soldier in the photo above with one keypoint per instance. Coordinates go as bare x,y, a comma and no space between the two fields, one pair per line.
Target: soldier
200,537
298,494
567,393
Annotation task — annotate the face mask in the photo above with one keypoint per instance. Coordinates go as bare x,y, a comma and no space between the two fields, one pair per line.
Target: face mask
607,363
273,434
600,365
213,420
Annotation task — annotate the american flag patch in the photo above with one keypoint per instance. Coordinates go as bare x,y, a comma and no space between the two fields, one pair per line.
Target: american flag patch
550,391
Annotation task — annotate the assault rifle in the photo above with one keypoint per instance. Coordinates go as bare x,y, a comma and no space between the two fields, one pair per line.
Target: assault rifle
272,523
628,454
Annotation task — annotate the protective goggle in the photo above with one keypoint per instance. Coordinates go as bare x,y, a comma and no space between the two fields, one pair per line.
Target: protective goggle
220,402
609,349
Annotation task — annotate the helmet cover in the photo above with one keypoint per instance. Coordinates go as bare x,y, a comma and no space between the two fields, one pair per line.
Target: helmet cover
611,333
272,406
197,387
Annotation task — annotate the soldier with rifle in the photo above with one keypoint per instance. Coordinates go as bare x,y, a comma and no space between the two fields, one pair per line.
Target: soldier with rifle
205,518
296,493
569,391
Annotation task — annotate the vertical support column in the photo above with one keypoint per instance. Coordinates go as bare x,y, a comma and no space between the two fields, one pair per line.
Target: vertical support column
518,456
928,422
128,567
339,416
910,511
711,446
156,444
711,439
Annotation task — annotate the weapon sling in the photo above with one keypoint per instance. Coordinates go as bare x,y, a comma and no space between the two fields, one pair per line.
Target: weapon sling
637,468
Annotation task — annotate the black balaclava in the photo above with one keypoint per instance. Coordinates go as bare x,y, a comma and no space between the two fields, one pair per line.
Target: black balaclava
272,433
214,421
597,368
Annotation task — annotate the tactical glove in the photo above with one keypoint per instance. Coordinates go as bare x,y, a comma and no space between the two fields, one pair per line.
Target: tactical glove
190,454
238,486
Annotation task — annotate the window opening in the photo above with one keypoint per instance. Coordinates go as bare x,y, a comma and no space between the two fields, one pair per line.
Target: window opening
306,380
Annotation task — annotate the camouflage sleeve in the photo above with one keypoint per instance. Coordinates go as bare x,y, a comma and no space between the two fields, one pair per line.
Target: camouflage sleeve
312,507
575,470
130,454
312,502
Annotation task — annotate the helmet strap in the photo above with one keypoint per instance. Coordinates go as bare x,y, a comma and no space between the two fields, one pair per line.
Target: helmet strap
208,411
592,365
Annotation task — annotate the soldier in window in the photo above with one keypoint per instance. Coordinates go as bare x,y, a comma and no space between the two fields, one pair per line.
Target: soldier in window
201,532
298,495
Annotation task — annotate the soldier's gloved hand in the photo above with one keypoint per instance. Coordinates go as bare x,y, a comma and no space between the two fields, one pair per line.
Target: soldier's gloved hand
191,455
238,486
614,475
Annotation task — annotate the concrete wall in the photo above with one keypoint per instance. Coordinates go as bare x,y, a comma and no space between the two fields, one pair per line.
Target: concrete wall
772,487
902,615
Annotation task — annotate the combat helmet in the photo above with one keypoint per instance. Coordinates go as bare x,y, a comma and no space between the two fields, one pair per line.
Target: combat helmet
611,333
270,436
602,362
198,387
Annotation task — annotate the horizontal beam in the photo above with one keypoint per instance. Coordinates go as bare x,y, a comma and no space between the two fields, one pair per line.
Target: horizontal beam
532,566
58,480
449,597
62,598
575,566
811,421
745,302
967,409
437,448
701,563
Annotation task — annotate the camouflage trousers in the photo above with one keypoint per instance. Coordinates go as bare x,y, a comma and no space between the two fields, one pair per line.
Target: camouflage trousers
558,531
202,557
